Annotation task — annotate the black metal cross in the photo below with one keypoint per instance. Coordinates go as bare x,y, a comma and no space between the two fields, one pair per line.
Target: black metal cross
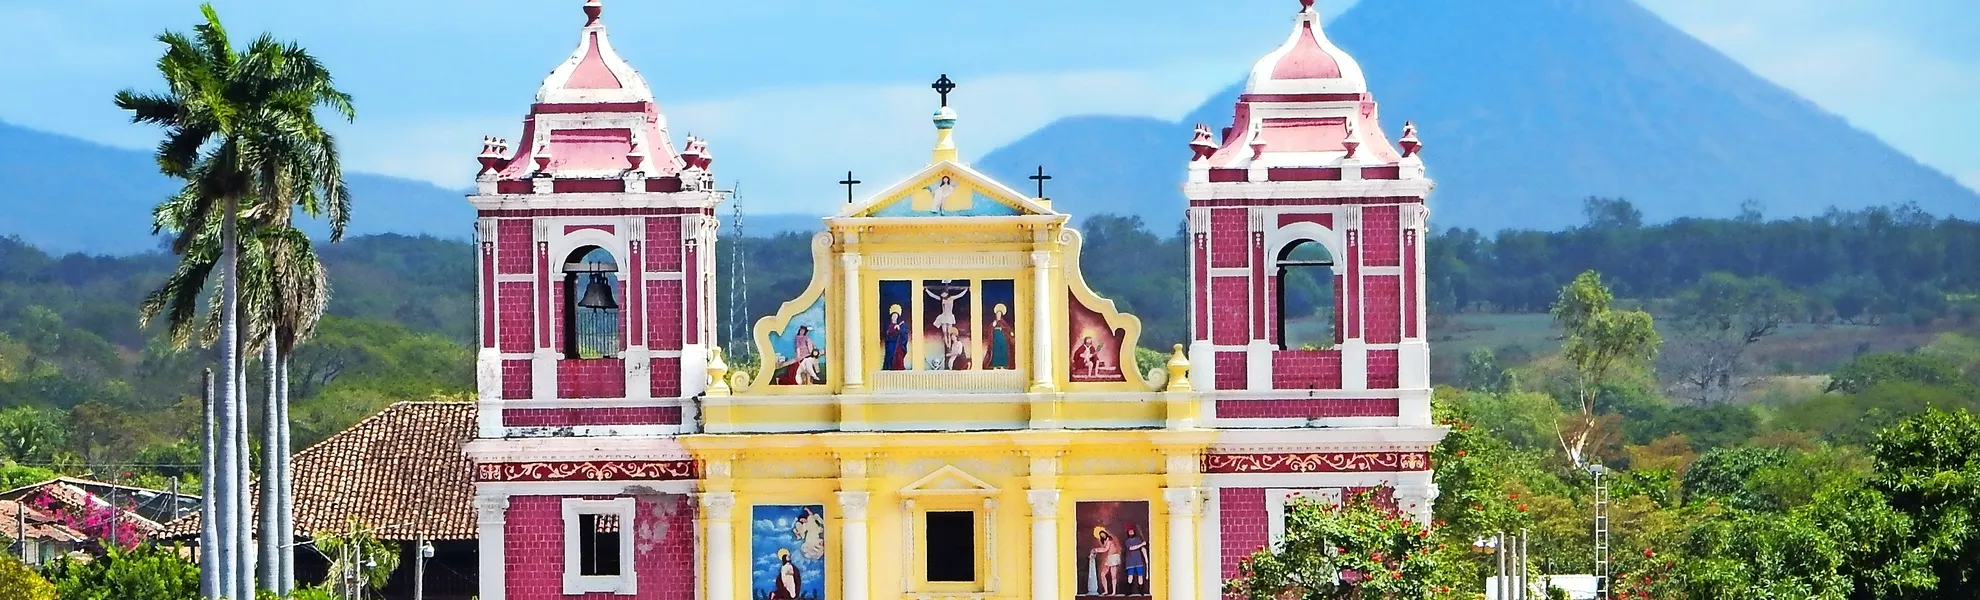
849,183
943,86
1041,178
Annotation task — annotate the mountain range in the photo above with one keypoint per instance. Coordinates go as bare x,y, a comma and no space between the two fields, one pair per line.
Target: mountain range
1526,107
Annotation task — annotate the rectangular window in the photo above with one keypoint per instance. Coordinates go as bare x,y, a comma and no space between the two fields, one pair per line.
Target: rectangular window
598,545
951,546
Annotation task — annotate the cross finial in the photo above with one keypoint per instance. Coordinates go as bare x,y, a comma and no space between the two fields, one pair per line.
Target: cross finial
943,86
849,183
1041,178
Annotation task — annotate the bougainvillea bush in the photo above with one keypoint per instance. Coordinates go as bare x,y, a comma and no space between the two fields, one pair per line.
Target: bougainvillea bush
1354,551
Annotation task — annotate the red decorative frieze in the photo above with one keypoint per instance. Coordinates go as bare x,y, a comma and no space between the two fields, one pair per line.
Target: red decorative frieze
591,417
1317,462
609,470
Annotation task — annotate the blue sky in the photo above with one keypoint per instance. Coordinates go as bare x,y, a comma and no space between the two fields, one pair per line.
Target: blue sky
792,94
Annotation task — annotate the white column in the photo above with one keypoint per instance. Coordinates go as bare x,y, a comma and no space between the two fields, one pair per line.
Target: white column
854,560
1041,322
1044,544
491,517
1182,541
851,368
718,568
1416,494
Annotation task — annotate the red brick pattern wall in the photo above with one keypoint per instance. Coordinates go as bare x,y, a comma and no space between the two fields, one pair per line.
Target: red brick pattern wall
663,244
516,379
580,417
663,331
1384,370
1230,308
1306,408
555,316
1306,370
666,374
1383,299
1230,240
517,324
596,378
1381,228
514,241
1242,519
535,550
1231,370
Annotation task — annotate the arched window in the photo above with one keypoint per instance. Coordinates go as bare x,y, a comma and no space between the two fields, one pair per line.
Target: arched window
591,304
1304,285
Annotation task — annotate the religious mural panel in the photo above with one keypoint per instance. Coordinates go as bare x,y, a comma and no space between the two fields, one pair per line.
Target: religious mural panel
1095,348
945,325
999,336
787,552
800,348
896,325
945,196
1113,550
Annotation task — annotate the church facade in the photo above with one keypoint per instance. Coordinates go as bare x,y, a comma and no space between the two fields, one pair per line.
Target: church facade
947,411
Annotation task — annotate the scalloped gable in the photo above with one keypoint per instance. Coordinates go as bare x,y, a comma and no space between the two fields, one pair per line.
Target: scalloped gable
947,189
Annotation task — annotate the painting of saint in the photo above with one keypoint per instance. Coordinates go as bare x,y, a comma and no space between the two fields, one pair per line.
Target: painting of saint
945,335
1113,550
800,359
895,328
999,335
787,550
1095,348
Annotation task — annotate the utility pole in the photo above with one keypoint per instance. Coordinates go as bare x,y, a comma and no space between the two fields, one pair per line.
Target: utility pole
419,567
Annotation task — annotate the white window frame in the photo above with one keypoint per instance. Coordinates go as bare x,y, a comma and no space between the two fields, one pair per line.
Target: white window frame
575,582
1275,507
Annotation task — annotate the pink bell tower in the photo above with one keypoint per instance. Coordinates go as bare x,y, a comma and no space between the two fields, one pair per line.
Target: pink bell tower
596,259
1306,163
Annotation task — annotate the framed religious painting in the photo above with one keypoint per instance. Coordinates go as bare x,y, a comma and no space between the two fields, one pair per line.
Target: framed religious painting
787,552
1115,556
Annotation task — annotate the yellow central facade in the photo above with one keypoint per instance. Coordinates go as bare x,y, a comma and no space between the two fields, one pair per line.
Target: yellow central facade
982,383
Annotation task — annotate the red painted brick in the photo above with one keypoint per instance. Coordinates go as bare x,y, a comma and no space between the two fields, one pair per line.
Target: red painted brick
516,379
1305,408
581,417
663,555
593,378
1231,371
515,244
1230,237
1384,370
1230,310
1306,369
1383,297
1381,228
666,375
663,244
517,321
1241,519
663,330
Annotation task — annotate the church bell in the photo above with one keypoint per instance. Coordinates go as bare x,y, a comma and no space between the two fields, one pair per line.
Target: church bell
598,294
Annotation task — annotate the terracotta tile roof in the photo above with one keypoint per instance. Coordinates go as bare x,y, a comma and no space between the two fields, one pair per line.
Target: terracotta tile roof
40,525
401,472
84,495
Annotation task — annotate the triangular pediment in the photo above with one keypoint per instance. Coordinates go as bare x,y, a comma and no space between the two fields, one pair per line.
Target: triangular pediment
947,189
949,481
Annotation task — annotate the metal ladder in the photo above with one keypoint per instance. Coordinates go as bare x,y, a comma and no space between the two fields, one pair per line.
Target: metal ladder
1601,535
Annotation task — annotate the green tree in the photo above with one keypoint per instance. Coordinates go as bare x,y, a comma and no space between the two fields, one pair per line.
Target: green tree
1871,369
30,434
147,572
1598,336
1725,475
356,557
1758,556
1927,469
1357,551
18,582
1717,321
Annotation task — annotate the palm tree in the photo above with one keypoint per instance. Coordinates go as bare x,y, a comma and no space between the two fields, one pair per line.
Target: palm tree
241,130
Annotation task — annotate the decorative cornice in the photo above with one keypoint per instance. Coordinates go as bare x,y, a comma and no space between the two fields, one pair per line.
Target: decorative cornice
1317,462
615,470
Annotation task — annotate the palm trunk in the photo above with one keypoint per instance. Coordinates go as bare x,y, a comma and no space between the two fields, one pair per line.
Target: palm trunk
223,499
270,541
209,539
285,482
243,497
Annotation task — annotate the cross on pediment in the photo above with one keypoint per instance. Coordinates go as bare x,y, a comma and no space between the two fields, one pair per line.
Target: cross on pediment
1041,178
